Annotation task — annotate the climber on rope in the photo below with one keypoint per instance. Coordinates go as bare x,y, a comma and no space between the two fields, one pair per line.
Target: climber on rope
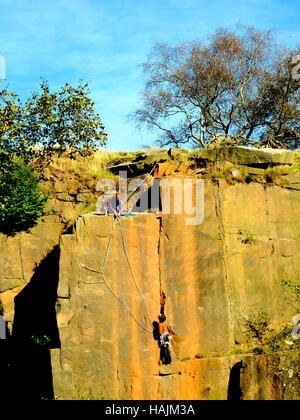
114,207
164,340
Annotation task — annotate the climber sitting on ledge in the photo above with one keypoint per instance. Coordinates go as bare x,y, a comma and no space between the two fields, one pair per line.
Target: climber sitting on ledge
114,206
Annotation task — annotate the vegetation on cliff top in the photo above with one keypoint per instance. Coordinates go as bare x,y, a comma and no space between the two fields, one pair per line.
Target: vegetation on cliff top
32,133
236,87
50,122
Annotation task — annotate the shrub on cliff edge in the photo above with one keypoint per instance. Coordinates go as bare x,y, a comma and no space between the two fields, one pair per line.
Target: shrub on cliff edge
21,201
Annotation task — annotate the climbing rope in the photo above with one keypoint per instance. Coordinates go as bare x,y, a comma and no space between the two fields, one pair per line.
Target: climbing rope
108,286
106,255
140,184
131,270
128,260
93,271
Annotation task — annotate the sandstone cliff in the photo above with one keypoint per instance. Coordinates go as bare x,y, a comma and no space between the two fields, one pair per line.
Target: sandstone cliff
73,338
213,275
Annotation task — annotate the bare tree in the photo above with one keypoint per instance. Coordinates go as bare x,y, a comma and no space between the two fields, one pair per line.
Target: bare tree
279,104
204,92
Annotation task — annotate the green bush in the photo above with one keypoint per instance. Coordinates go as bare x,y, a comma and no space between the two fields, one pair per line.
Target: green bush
21,201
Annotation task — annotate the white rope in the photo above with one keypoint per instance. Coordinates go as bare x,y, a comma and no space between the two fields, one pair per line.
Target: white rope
107,285
94,271
132,273
128,260
141,183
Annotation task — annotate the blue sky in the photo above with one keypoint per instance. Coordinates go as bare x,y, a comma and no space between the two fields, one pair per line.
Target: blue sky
103,42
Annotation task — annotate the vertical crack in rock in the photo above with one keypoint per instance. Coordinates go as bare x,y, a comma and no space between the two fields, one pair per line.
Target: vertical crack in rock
267,211
21,260
161,235
159,252
224,253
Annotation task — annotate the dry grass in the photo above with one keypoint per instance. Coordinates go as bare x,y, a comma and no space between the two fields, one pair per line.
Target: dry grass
270,176
97,166
276,175
94,166
226,173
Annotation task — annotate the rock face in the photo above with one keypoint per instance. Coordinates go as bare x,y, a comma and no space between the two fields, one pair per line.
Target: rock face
248,155
213,275
177,160
76,337
20,255
28,283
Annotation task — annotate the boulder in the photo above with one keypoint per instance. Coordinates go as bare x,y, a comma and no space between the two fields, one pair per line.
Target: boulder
143,163
60,186
182,168
64,197
83,197
235,172
165,168
46,187
293,180
178,154
248,155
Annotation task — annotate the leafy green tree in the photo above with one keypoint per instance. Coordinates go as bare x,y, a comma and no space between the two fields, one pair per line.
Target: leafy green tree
12,123
49,122
21,201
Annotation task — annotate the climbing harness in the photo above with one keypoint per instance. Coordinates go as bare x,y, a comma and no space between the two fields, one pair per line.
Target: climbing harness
166,348
165,339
